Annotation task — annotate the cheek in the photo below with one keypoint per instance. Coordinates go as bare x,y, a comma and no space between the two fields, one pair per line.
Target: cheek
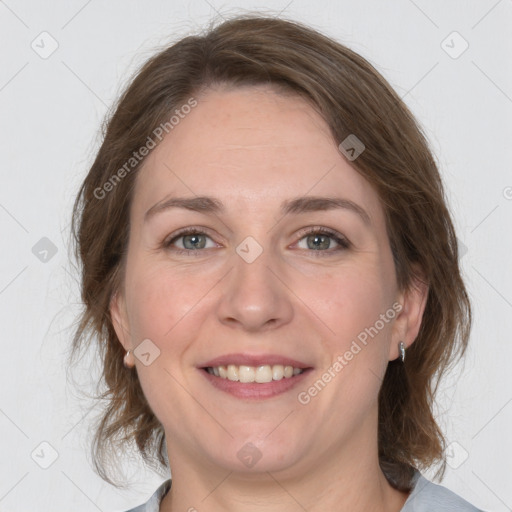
158,300
346,301
163,306
360,314
356,305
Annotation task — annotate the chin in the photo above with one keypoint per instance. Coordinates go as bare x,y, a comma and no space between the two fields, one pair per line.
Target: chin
259,455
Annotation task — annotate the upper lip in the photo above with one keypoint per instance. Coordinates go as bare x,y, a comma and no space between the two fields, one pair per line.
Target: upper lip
253,360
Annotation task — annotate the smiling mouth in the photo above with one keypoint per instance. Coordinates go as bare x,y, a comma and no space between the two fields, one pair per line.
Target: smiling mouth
254,374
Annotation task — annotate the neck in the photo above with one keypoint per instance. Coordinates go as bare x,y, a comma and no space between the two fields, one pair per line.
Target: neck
345,478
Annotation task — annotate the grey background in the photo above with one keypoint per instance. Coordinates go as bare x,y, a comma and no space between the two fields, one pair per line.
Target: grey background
51,107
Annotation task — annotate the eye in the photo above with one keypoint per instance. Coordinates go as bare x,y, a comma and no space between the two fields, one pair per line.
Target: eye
323,240
320,240
189,240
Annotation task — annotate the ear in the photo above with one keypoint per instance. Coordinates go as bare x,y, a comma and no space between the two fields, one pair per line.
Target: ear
408,322
120,319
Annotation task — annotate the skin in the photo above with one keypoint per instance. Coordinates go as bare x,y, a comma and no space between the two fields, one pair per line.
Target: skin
253,148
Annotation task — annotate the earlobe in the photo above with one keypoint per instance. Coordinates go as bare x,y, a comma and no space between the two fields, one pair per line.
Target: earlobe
408,322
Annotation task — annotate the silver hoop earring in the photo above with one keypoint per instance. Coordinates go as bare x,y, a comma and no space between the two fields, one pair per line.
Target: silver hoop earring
401,351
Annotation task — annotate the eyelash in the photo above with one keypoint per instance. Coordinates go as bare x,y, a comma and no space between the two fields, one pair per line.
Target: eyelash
342,242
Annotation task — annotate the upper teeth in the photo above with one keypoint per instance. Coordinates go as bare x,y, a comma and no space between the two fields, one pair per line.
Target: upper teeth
261,374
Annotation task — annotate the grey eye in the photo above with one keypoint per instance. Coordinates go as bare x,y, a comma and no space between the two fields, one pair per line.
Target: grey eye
316,242
195,241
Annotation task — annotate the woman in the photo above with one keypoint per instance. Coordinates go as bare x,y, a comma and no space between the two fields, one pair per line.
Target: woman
267,250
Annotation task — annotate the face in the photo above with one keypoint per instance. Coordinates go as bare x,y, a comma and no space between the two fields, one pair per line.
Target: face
286,263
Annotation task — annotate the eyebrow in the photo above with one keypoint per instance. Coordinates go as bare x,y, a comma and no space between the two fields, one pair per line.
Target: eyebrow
304,204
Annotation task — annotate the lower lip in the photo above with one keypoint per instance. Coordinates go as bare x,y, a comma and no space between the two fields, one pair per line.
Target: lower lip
254,390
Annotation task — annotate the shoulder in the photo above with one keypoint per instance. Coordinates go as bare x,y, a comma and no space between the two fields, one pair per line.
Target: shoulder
427,496
153,504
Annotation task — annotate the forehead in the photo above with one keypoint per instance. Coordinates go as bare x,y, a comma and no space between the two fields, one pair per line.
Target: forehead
253,146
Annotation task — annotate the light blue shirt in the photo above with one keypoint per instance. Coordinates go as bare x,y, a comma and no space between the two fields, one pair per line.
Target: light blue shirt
425,497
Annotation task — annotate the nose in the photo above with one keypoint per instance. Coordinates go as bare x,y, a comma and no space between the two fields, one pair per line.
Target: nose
254,294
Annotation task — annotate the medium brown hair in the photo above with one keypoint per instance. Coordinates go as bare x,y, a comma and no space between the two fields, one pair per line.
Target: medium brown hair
353,98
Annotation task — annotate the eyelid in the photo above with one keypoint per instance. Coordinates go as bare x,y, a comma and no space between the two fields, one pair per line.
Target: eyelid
195,230
340,239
